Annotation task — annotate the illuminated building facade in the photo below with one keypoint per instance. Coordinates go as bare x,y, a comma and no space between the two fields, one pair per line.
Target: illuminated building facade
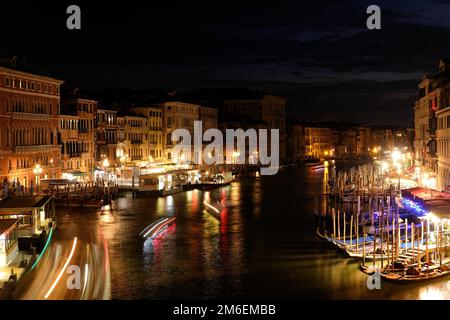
177,115
431,126
29,110
107,131
318,142
154,117
295,143
136,143
78,135
264,109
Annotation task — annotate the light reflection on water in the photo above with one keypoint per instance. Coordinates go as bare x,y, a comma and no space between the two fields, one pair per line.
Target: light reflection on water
262,244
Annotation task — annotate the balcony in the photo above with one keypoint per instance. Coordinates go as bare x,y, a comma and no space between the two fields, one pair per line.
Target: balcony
30,116
40,148
106,142
136,141
136,158
75,155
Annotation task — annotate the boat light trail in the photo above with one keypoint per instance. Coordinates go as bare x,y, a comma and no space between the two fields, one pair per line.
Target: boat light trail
222,202
44,249
63,269
153,226
105,247
210,206
162,226
86,272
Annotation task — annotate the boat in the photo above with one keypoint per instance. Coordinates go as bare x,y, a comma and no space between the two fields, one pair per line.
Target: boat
414,274
217,181
208,186
350,248
156,228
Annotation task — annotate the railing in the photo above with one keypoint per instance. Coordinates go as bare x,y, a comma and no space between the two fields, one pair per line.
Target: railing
29,169
106,141
39,148
136,141
75,155
30,116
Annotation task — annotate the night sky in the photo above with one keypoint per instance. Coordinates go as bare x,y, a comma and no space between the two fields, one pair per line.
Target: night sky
319,55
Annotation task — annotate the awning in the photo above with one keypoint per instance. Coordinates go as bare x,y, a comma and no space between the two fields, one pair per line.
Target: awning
77,173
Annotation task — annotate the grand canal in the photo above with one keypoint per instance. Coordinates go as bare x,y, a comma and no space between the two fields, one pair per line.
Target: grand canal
262,244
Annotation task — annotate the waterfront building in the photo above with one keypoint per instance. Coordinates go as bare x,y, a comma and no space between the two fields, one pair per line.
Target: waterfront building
78,135
8,240
107,131
136,143
29,111
177,115
208,117
431,134
154,115
295,143
363,134
318,142
259,108
382,138
36,216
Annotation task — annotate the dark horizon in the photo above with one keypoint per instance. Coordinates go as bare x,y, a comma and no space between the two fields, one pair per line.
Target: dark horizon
322,58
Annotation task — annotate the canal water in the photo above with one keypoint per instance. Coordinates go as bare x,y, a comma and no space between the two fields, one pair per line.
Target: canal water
261,245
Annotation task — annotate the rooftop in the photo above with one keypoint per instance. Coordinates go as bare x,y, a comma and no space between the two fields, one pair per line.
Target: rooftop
5,224
23,203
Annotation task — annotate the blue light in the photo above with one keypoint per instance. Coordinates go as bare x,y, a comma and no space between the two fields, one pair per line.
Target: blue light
414,207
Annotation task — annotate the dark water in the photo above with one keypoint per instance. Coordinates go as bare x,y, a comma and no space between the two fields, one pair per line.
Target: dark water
262,245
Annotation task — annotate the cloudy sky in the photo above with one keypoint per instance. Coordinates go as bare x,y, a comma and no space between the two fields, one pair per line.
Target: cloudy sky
320,56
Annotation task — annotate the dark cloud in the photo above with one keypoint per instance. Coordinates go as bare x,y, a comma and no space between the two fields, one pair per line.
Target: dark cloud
319,55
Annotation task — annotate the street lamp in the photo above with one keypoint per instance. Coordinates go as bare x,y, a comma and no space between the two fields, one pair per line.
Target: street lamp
396,155
51,166
236,154
105,164
256,154
37,172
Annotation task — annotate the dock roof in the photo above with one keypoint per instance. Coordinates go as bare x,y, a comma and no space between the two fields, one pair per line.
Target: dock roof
6,224
23,203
